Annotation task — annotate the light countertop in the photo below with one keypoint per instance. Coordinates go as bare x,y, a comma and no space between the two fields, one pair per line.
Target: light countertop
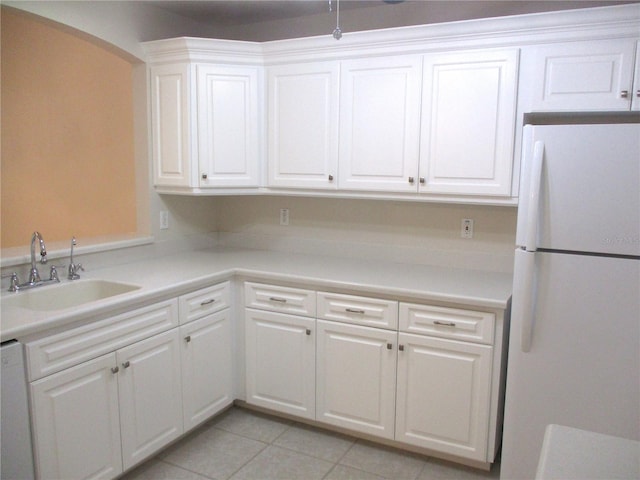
177,274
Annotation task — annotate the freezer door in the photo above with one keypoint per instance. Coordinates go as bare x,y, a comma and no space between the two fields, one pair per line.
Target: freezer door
589,189
583,366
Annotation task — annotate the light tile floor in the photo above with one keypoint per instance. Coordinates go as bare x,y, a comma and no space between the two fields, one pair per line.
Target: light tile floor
244,445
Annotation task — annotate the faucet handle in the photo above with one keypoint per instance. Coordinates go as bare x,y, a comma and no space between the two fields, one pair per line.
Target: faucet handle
13,287
73,271
53,272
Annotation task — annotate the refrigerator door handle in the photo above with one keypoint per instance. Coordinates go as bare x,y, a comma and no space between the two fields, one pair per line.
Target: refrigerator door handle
524,295
531,239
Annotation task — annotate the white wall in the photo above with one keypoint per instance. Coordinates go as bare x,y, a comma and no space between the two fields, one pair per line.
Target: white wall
403,232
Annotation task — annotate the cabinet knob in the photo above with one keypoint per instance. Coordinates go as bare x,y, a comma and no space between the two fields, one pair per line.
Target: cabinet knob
411,180
422,180
389,346
401,348
638,93
308,332
115,369
126,364
624,94
204,176
187,338
331,178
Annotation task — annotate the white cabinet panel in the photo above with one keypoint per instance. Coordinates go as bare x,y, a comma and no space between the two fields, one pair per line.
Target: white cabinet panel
207,367
444,390
356,375
150,395
76,422
635,91
227,105
170,125
280,360
380,123
468,122
303,125
583,76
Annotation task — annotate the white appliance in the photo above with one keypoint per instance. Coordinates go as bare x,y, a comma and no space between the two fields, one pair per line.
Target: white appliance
16,461
574,349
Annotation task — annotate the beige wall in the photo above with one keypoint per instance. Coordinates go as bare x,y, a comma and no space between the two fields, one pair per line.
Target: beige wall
67,135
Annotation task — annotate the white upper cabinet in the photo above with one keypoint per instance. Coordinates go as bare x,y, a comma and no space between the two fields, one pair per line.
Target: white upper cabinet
227,108
204,126
468,122
170,125
583,76
380,123
303,125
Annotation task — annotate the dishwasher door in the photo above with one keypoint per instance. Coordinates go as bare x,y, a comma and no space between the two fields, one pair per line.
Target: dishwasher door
17,455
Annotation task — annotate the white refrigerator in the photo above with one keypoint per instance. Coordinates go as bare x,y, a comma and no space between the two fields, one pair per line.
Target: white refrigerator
574,347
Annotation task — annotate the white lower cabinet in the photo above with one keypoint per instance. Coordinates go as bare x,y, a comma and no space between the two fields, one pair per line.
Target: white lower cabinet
76,420
443,395
356,377
149,387
280,356
207,367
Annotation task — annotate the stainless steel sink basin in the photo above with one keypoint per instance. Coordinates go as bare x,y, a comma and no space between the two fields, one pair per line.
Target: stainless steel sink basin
66,295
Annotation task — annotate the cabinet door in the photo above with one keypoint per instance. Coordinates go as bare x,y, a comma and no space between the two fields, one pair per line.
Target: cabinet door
583,76
443,395
468,122
170,125
227,126
303,125
280,356
635,103
356,378
150,395
76,422
207,367
380,124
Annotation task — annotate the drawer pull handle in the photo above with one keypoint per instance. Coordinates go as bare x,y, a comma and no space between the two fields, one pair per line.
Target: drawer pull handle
389,346
115,369
207,302
444,324
126,364
278,299
187,338
308,332
401,348
354,310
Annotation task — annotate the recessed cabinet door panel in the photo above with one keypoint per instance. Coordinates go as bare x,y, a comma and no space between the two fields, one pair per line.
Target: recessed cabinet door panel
76,422
356,372
150,395
206,367
280,352
170,125
583,76
303,125
468,122
443,395
380,124
227,126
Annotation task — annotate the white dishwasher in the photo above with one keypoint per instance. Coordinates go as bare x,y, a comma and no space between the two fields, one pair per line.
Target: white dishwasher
17,455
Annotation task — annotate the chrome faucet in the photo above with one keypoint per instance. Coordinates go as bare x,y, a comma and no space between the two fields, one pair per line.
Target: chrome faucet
74,267
34,276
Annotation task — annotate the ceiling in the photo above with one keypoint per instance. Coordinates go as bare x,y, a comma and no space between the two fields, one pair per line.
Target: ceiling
243,12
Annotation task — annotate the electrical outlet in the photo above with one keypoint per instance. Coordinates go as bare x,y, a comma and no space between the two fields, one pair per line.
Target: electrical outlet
284,216
164,220
466,231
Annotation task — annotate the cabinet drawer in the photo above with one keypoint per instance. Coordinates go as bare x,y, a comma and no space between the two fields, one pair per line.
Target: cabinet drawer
202,302
63,350
467,325
280,299
372,312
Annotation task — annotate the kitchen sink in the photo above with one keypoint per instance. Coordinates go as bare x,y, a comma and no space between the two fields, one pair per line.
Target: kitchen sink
66,295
